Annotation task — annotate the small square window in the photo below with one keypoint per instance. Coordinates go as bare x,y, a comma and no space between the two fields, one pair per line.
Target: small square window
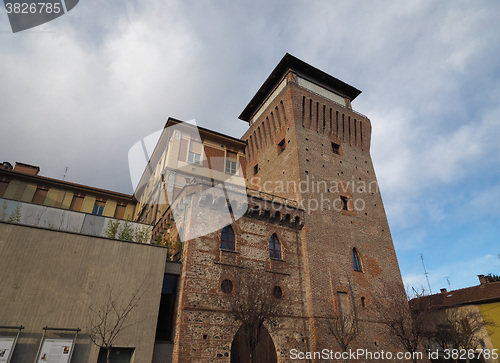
345,202
256,169
230,167
98,208
194,158
281,146
336,148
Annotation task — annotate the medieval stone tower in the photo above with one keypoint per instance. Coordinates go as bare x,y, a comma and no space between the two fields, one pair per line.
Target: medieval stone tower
314,232
305,142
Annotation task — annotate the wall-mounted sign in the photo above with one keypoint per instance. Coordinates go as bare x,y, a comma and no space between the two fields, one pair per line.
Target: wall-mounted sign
6,348
55,351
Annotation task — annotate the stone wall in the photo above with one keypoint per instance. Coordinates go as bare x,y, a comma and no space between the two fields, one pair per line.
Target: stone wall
205,326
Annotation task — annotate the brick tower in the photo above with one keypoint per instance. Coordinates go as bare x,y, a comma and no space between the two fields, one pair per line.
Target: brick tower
306,143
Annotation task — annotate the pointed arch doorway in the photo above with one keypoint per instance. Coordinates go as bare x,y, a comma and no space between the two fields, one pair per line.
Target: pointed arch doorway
264,352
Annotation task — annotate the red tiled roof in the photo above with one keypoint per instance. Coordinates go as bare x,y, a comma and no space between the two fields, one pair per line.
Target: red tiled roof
481,294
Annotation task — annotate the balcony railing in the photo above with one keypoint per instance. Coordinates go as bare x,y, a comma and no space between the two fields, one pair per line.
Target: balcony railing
71,221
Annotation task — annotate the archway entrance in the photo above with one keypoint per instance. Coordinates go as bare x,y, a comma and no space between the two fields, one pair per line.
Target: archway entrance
265,351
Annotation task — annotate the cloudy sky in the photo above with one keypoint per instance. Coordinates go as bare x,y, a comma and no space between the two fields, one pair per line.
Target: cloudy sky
79,91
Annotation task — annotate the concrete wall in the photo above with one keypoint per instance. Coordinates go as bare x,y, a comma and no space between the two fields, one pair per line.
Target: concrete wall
67,220
49,278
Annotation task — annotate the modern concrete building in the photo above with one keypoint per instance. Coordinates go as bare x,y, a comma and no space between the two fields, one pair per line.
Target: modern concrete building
53,279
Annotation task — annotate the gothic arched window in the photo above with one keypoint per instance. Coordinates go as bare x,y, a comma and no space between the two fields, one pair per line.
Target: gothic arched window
227,238
274,247
356,261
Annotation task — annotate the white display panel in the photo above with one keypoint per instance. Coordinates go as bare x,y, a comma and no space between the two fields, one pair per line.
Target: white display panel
55,351
6,348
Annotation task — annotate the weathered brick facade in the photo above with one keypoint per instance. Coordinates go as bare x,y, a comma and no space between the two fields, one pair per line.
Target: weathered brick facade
205,328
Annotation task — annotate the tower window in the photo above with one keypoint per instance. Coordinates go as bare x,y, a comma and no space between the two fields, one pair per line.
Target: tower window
256,169
227,238
274,247
336,148
281,146
345,202
356,261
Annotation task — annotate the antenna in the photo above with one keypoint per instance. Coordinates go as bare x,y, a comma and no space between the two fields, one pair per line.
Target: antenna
65,171
426,273
448,280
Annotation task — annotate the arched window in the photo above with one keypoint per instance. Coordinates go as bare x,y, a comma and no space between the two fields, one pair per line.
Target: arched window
274,247
356,262
227,238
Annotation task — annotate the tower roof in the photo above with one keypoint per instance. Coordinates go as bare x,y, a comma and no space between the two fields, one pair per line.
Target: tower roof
289,62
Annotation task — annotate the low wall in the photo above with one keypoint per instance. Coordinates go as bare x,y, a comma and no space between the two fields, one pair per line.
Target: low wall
51,278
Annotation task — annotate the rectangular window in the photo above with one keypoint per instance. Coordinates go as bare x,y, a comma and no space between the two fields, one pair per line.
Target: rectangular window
194,158
336,148
195,151
281,146
345,202
98,208
118,354
231,162
255,169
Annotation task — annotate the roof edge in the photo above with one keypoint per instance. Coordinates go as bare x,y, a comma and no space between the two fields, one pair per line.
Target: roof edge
289,62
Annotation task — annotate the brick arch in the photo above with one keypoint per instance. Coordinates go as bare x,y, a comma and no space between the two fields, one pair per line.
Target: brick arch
264,352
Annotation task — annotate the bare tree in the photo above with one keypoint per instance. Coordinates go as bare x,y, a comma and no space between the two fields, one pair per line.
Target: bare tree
406,326
256,299
107,321
459,327
344,328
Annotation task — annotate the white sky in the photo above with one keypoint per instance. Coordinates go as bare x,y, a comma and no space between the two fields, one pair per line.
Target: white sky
79,91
